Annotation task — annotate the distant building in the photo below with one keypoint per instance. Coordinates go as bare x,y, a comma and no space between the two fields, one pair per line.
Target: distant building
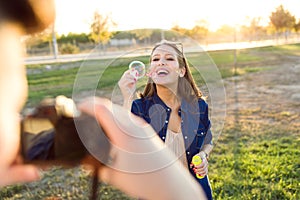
122,42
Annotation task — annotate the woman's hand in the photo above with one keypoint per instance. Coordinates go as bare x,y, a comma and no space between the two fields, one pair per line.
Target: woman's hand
201,169
127,85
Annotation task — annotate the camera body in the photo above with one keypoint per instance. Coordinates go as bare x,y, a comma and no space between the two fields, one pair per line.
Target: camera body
50,136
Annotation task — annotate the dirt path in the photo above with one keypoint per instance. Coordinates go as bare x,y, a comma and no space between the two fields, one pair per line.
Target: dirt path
271,96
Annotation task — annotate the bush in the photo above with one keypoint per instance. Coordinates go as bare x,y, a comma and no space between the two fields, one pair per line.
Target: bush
68,49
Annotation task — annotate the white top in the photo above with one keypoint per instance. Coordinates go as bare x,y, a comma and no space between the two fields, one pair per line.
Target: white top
175,143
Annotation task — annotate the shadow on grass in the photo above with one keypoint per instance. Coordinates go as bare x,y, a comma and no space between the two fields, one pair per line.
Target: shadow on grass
256,161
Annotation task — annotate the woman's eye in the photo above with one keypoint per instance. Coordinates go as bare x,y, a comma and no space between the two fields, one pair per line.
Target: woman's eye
171,59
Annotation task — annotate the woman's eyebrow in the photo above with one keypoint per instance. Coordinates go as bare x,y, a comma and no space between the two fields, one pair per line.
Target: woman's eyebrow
155,55
167,54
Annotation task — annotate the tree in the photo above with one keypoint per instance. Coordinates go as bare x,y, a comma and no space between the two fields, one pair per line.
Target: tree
225,33
179,30
254,30
200,30
100,29
198,33
142,34
297,26
74,38
282,20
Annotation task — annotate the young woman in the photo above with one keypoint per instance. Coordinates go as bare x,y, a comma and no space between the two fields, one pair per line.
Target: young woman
173,105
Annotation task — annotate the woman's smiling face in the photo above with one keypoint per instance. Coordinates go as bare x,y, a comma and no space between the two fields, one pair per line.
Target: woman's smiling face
164,67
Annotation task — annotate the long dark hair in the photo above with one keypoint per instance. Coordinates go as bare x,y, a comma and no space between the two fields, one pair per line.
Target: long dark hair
187,87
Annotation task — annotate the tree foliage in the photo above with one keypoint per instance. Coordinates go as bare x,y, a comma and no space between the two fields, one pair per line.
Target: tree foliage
253,31
282,19
180,30
142,34
297,26
100,28
198,32
74,38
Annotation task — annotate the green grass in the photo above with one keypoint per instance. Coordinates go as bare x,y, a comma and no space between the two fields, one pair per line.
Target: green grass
59,183
291,49
259,163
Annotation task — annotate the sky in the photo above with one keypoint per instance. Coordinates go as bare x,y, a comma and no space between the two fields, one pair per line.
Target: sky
76,15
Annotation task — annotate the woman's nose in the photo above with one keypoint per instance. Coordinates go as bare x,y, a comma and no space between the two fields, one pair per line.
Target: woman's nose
162,62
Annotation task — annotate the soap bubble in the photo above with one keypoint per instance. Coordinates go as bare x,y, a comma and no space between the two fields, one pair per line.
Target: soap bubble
138,69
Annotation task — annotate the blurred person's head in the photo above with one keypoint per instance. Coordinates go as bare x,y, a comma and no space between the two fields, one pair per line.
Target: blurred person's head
31,15
17,18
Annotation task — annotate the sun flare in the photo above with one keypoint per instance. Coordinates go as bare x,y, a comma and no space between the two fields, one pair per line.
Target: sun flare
75,16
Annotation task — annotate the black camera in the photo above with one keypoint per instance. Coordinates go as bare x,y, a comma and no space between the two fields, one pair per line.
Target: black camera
56,133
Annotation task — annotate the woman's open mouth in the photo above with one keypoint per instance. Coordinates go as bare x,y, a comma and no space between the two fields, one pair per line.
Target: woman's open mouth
162,72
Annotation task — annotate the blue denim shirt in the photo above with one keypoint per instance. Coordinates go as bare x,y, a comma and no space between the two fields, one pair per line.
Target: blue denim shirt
195,122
